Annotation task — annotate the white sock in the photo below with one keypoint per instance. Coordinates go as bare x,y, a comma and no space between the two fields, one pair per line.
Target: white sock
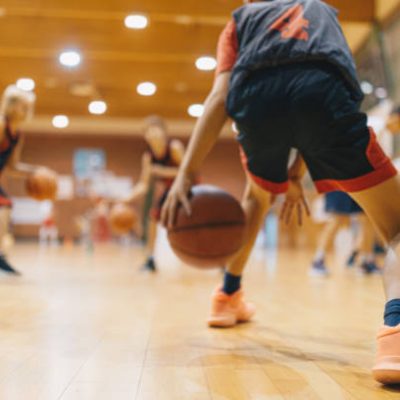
319,255
367,258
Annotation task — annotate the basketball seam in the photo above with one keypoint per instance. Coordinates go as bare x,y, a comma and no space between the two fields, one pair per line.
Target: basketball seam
205,226
186,253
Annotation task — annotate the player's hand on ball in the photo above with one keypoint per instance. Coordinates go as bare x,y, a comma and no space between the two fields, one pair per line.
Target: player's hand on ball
178,195
295,202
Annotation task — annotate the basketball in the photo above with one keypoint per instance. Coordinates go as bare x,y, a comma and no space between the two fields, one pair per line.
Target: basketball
122,219
42,185
213,233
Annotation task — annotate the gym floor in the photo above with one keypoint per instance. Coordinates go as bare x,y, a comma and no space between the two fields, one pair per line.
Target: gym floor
91,326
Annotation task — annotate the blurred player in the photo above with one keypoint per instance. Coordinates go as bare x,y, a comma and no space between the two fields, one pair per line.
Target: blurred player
16,108
48,232
159,166
288,79
341,207
101,232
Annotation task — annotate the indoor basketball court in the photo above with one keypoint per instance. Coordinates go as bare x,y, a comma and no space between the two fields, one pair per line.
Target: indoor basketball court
199,200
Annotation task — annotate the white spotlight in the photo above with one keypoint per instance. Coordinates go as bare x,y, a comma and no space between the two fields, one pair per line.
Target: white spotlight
26,84
196,110
206,63
146,88
381,93
60,121
136,21
367,87
97,107
70,58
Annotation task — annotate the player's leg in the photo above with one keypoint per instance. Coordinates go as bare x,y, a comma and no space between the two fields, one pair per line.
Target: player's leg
257,109
54,235
43,235
5,216
365,246
343,154
356,164
152,229
256,202
228,306
383,208
150,264
328,235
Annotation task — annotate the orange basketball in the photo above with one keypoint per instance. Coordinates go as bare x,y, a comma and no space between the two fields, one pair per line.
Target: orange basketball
122,219
213,233
42,185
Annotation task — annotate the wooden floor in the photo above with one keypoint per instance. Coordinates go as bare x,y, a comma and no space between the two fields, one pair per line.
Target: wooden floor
81,326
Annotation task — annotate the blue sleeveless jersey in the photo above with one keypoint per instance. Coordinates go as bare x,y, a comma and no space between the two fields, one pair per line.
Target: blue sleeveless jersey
272,33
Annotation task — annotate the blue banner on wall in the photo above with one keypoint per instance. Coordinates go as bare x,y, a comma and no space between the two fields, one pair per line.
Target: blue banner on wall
89,162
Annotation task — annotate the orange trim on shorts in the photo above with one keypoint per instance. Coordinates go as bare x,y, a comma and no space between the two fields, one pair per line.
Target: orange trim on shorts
384,170
268,186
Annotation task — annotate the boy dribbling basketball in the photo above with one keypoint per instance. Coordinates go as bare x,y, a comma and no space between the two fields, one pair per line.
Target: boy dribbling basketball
16,108
287,77
159,166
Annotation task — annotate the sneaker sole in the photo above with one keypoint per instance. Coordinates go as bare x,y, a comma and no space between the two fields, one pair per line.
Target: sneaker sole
387,371
221,322
10,273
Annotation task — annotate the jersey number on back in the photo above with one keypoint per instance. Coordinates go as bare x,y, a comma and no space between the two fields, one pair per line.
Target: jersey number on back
292,24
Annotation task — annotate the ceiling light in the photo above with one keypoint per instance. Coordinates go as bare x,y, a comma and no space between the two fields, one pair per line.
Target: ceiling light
381,93
26,84
70,58
136,21
146,88
367,88
196,110
60,121
206,63
97,107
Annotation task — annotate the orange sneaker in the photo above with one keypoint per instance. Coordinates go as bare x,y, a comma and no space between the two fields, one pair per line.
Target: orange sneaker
228,310
387,366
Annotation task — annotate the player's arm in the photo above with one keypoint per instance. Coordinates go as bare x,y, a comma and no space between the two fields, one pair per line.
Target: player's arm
143,184
177,153
17,168
204,137
208,127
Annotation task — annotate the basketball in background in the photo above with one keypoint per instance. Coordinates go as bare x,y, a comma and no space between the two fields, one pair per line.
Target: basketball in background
214,231
42,185
122,219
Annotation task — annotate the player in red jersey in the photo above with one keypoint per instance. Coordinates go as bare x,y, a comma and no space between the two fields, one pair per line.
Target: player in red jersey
16,108
159,166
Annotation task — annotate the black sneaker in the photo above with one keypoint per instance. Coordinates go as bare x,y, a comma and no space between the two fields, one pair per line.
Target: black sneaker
378,249
318,268
6,267
150,265
352,259
369,268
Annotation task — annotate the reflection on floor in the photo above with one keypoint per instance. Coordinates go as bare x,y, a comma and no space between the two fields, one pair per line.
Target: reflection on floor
91,326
